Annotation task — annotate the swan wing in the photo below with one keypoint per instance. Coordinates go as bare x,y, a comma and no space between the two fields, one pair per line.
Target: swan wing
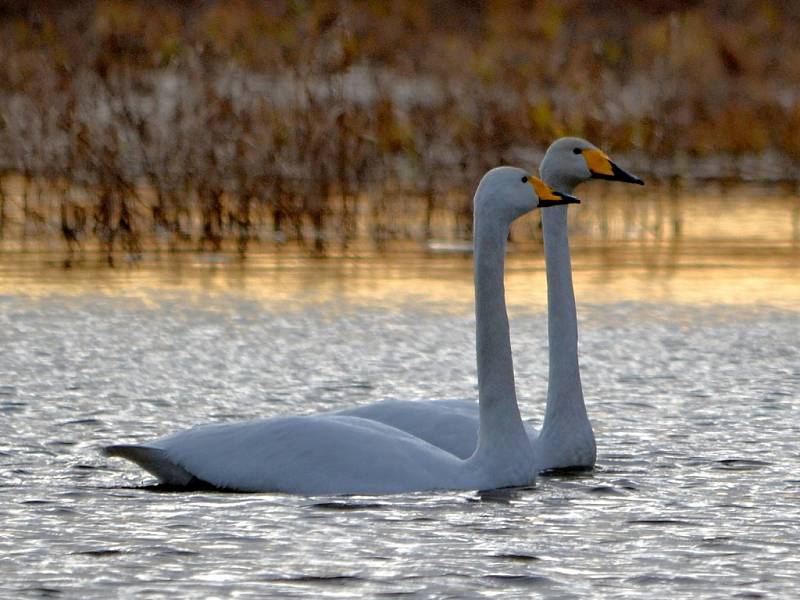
317,454
451,425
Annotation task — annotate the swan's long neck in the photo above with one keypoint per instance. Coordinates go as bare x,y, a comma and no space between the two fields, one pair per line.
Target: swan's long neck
565,416
562,324
501,434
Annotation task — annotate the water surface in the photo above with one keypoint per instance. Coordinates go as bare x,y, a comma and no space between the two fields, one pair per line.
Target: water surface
692,380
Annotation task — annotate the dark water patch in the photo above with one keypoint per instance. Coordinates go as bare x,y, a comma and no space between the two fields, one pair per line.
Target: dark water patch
418,519
487,529
89,421
644,405
336,386
620,457
726,546
737,506
78,493
347,506
60,443
318,579
626,484
194,485
8,390
177,552
498,496
650,579
631,379
717,539
569,473
43,592
518,579
100,552
182,526
782,393
158,403
237,538
741,464
516,557
606,490
669,522
82,467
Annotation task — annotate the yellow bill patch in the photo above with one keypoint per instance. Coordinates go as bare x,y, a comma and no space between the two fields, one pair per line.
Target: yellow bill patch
542,190
597,161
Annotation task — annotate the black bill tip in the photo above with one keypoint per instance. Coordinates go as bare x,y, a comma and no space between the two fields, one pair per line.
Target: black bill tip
618,174
562,199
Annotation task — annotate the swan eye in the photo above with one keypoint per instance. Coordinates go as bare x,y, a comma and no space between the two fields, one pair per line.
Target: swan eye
525,179
576,151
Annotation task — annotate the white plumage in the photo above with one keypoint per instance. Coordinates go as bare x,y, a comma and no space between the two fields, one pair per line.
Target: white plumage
346,454
567,439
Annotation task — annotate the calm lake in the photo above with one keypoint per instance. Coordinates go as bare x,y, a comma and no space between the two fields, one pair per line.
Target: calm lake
690,359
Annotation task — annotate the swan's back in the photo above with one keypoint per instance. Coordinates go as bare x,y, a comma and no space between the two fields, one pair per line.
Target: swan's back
451,425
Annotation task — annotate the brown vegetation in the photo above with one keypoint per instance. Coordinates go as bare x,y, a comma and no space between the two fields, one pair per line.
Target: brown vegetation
216,124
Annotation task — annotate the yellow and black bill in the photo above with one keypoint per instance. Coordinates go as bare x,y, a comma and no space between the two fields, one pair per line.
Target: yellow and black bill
548,196
602,167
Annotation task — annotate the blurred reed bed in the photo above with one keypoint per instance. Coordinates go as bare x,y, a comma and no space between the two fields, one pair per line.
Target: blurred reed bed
128,126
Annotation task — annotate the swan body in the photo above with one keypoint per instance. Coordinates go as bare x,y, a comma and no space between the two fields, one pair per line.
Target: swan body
332,453
451,425
315,454
566,439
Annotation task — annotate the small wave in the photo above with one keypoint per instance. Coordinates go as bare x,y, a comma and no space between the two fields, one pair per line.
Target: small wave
650,579
608,490
516,557
89,421
347,506
677,522
45,592
329,579
100,552
519,579
741,464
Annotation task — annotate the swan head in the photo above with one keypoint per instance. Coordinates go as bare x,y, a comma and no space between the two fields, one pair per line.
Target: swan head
513,192
570,161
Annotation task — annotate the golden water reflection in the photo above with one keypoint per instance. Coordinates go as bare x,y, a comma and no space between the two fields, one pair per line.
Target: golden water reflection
696,274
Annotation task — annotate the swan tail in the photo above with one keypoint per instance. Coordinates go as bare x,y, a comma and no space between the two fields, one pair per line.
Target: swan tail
155,461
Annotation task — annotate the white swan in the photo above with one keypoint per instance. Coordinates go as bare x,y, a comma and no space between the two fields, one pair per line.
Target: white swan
566,439
341,454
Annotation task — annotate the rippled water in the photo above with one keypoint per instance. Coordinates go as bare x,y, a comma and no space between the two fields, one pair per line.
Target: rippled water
695,405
